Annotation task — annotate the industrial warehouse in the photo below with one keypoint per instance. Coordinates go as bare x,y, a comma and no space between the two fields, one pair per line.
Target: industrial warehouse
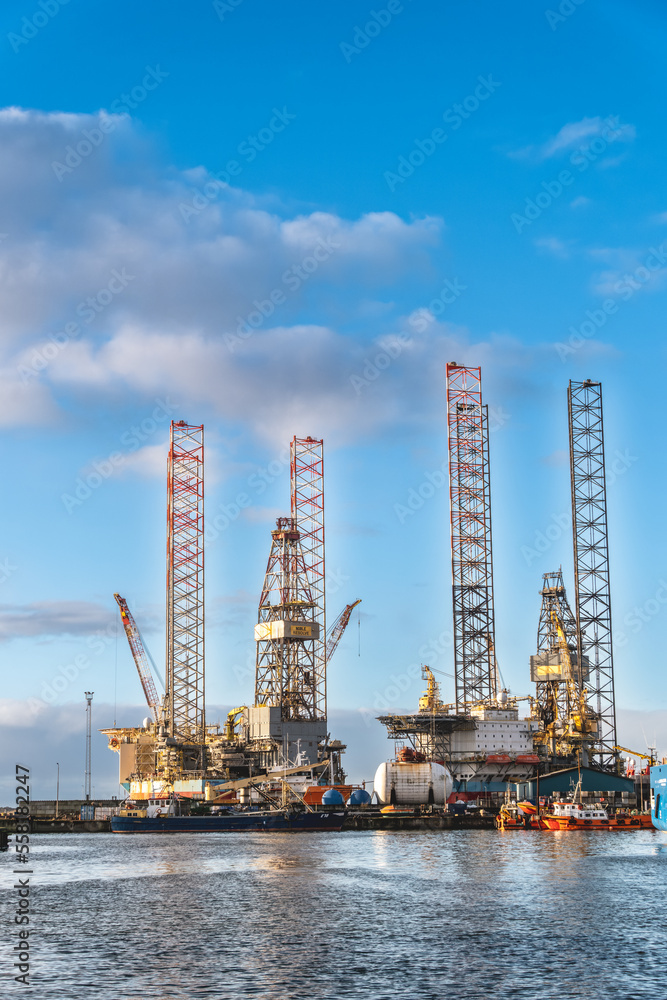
275,757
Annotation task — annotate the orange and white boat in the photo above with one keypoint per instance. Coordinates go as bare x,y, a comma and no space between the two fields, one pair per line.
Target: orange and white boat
575,816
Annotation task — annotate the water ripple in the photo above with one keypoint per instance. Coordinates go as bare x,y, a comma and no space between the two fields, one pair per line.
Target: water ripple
459,914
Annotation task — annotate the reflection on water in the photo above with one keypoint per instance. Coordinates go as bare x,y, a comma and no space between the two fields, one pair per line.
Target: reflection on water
462,914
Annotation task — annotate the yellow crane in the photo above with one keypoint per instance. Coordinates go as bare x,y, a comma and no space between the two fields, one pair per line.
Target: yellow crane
430,702
580,721
233,719
650,757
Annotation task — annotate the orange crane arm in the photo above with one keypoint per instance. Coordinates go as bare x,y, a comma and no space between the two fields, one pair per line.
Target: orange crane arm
338,627
139,656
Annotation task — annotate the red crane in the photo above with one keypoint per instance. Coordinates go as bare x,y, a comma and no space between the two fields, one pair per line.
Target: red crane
338,627
140,657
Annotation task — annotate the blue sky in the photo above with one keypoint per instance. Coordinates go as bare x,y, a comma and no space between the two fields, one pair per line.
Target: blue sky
228,215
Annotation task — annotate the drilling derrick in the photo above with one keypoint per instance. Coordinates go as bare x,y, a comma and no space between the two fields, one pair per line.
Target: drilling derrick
307,510
184,698
566,723
289,718
287,631
472,564
591,560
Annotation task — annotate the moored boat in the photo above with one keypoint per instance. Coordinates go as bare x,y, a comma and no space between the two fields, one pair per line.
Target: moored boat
574,816
229,821
511,818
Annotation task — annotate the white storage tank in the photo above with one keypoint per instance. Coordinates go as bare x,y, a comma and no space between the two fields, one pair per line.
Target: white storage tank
405,783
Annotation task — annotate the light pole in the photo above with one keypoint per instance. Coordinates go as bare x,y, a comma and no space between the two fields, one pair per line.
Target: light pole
57,788
88,777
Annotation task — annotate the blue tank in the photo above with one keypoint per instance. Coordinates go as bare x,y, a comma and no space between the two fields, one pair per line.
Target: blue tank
332,797
359,797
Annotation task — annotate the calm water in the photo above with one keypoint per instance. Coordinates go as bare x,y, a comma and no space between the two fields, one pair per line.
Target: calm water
461,915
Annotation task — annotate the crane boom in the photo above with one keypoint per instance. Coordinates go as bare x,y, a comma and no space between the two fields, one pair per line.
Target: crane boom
635,753
338,627
140,657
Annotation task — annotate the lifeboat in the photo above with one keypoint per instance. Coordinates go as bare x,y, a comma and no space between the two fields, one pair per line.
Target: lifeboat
406,755
396,811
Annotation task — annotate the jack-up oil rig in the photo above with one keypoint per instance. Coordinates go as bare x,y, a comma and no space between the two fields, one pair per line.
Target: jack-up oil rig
175,751
484,736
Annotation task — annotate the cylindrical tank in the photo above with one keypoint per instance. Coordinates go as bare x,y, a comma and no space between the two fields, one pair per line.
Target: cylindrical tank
359,797
412,784
332,797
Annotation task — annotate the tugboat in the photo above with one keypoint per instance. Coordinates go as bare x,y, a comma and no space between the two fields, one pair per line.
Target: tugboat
575,816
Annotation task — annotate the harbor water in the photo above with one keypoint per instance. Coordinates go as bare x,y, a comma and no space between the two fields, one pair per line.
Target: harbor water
463,914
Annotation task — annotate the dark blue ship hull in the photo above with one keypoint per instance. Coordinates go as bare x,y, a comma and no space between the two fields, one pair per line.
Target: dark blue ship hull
658,780
268,821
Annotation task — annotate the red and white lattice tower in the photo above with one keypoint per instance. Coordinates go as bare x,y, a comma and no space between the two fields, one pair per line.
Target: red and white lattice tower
472,562
307,491
184,699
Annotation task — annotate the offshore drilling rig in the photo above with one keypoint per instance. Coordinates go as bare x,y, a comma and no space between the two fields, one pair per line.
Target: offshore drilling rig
482,736
176,751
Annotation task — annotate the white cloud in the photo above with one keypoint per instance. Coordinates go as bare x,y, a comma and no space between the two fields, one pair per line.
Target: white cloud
20,713
572,135
554,246
169,306
160,295
556,458
630,270
51,618
24,402
148,462
285,378
575,135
